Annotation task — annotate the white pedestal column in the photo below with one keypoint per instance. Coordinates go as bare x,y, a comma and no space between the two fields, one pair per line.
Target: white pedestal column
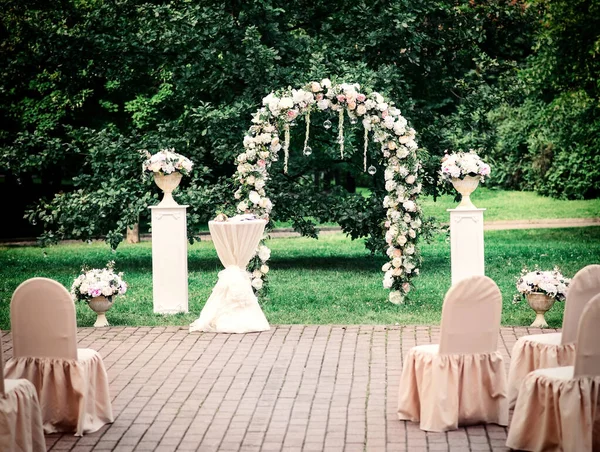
466,243
169,259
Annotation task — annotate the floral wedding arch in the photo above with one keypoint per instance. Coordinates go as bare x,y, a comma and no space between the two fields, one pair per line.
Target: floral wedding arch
383,121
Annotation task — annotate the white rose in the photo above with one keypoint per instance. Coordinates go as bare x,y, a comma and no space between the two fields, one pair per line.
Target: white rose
386,267
250,180
254,197
409,206
264,269
265,203
257,283
315,87
323,104
396,297
410,179
242,207
388,281
396,262
401,240
410,249
257,274
326,83
264,253
390,185
361,110
286,102
259,184
412,234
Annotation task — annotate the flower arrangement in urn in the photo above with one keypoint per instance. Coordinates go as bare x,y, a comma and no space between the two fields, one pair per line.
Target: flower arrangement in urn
465,170
167,167
97,286
542,289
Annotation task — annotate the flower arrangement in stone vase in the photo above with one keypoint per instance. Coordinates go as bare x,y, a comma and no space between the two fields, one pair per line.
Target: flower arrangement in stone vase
465,170
167,161
551,283
97,287
97,282
168,167
542,289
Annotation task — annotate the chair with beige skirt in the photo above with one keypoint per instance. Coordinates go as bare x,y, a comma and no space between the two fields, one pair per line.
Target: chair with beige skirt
558,408
71,383
539,351
21,426
462,380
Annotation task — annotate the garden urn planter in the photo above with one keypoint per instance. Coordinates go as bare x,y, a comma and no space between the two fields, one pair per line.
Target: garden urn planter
100,305
540,303
167,183
465,187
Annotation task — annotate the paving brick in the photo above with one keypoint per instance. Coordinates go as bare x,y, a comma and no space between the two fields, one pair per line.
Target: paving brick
293,388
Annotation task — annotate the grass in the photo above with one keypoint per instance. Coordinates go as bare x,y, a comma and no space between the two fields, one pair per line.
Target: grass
504,205
332,280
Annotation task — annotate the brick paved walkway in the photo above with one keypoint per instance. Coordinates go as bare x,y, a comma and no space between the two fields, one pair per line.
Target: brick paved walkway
294,388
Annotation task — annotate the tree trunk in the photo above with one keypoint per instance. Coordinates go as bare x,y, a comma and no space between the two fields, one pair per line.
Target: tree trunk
133,234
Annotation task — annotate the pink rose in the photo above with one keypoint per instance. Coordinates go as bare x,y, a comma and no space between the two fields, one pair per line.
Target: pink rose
319,96
291,114
387,224
384,113
261,163
341,98
397,252
361,97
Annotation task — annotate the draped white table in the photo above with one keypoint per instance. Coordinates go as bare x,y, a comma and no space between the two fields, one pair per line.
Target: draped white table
232,306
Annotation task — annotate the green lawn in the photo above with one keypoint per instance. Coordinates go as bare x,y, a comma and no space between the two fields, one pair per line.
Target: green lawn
330,280
511,205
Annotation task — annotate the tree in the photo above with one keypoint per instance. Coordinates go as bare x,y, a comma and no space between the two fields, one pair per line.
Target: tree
88,83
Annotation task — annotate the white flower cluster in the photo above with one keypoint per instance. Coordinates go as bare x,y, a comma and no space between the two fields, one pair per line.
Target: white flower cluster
390,129
551,283
263,253
96,282
460,164
167,161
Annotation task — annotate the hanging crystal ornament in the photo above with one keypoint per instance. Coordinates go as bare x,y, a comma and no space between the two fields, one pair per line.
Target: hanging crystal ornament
366,146
286,147
307,150
327,124
341,132
353,119
372,170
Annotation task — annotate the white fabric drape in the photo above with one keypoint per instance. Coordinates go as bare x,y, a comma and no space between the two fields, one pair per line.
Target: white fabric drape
21,418
232,306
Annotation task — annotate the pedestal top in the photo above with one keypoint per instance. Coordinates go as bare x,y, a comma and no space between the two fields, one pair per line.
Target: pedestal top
178,206
476,209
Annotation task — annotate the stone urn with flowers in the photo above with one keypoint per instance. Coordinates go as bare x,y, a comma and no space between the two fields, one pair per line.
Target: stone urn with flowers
98,287
167,167
541,289
464,170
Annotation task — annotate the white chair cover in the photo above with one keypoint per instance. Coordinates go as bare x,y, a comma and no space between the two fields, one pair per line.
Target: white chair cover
557,408
540,351
21,426
232,306
71,383
463,380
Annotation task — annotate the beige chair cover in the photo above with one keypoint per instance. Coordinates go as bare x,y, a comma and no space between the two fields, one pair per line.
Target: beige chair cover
71,383
540,351
232,307
463,381
558,409
20,416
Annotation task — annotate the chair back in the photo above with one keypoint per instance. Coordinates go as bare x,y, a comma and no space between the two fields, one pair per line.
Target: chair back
42,317
471,317
587,355
2,390
584,285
